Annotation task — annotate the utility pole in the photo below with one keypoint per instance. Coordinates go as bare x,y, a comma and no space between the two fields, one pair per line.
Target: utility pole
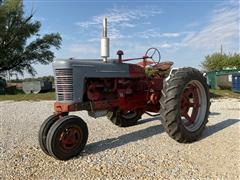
221,49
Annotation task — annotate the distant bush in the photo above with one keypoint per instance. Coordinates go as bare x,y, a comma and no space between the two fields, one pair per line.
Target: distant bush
218,61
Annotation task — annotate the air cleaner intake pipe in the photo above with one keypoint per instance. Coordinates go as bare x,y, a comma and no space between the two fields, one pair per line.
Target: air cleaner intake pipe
104,41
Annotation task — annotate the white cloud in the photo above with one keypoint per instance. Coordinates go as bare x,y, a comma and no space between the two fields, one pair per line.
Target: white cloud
121,16
150,33
130,48
127,25
94,40
119,19
155,33
138,49
171,34
166,45
223,28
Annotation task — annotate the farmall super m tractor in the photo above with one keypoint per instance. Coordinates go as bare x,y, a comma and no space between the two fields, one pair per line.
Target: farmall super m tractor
123,92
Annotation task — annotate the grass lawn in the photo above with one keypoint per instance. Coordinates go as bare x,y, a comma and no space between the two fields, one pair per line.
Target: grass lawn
218,93
51,96
29,97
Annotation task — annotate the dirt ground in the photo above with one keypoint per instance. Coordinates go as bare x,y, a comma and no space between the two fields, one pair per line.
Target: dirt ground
143,151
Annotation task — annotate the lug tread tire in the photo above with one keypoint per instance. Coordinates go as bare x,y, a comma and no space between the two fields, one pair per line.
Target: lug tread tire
170,104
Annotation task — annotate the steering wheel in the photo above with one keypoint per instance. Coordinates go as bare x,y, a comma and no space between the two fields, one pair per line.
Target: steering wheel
151,52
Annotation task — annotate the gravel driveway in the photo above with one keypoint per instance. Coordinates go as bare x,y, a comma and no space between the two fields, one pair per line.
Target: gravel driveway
143,151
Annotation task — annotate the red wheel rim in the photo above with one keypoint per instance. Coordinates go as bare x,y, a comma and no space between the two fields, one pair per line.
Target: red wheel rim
193,105
190,100
70,138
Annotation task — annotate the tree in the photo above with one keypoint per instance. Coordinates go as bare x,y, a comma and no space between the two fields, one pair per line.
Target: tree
234,61
218,61
16,54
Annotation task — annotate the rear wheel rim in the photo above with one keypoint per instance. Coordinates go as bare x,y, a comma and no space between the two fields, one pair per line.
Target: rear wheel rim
193,105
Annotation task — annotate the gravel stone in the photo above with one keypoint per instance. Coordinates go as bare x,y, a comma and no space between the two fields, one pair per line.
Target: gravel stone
143,151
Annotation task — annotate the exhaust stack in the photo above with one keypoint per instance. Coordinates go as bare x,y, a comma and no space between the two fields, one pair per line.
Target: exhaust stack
104,41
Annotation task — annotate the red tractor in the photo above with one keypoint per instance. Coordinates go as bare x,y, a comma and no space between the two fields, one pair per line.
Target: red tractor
123,92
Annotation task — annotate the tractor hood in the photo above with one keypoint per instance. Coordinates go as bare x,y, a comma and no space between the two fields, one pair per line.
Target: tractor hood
70,75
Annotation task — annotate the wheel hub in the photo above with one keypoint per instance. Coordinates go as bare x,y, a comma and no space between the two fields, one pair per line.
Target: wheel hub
70,138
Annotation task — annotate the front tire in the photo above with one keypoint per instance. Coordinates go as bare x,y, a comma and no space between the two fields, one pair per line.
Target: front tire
185,104
67,137
43,131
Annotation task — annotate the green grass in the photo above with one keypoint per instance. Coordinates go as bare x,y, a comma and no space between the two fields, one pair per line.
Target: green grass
51,96
218,93
29,97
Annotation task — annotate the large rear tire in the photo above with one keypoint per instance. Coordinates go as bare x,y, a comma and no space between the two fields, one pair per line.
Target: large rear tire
67,137
185,104
124,120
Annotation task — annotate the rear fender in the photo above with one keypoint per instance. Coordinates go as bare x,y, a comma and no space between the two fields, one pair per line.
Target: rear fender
172,71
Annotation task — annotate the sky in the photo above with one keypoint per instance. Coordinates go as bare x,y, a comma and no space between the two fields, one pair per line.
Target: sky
184,31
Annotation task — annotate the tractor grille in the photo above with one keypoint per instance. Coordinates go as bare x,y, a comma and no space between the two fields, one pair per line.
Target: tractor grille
64,84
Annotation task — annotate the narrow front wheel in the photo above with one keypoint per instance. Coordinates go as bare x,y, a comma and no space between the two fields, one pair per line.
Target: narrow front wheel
67,137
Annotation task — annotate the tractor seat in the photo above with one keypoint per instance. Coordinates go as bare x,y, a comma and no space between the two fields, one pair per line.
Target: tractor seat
163,66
